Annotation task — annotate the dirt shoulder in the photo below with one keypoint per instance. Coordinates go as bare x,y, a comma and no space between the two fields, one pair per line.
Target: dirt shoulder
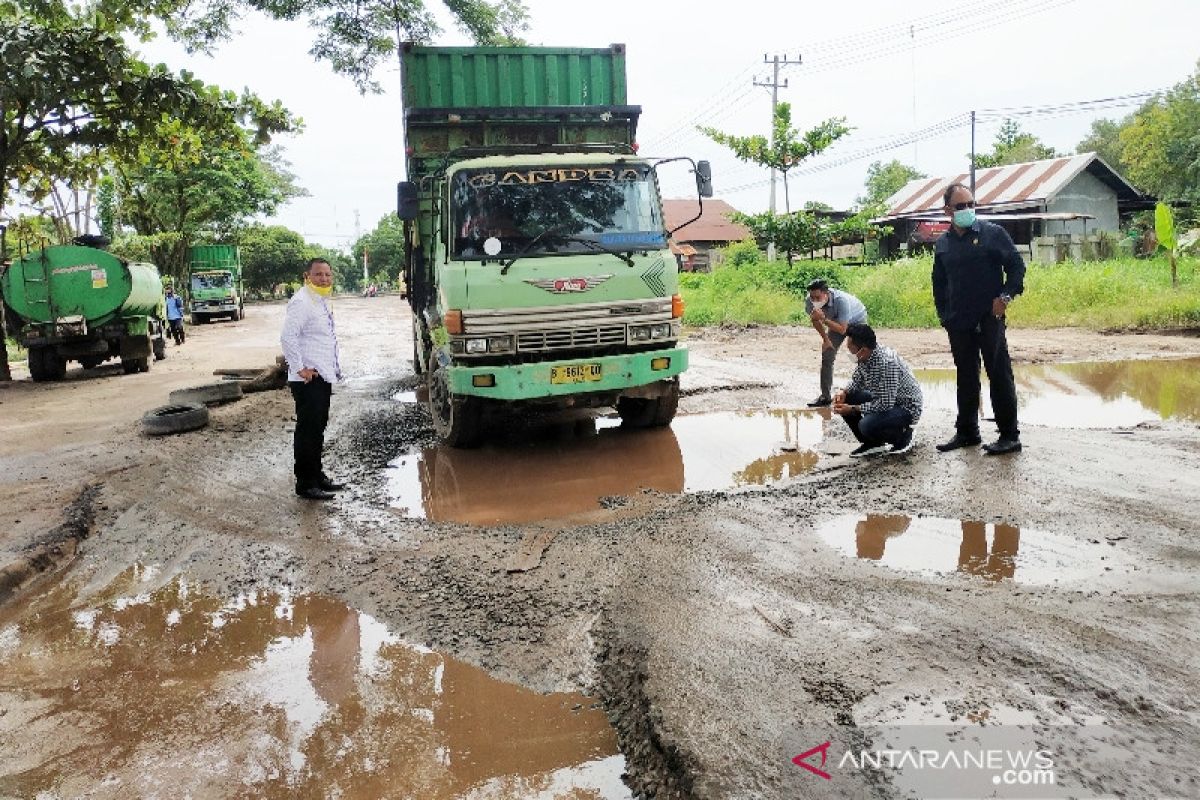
789,346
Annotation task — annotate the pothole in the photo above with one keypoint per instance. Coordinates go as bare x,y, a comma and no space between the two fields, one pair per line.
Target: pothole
992,552
559,471
164,690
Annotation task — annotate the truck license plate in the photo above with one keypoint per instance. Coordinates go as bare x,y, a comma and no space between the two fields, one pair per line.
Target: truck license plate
575,373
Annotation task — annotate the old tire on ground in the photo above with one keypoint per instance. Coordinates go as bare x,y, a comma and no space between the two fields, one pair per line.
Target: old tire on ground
176,418
209,393
45,364
457,420
649,412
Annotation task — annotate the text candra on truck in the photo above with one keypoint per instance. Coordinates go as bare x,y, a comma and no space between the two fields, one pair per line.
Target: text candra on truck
536,252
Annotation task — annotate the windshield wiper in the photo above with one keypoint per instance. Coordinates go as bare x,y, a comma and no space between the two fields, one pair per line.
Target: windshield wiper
591,243
529,245
626,257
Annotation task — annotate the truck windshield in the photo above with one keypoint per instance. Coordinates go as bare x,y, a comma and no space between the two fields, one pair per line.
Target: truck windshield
211,280
557,209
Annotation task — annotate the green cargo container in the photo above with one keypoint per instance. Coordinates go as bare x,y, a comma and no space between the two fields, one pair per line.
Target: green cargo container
80,303
538,271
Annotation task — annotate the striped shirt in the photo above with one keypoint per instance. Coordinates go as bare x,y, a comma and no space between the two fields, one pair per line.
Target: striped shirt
309,338
890,382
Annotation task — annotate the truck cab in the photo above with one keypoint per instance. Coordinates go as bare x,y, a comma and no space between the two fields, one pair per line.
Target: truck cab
537,260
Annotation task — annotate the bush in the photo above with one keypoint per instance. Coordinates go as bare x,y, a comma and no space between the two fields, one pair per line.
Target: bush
1122,294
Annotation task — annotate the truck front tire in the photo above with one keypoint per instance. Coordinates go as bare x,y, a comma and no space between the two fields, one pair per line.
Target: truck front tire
456,419
650,412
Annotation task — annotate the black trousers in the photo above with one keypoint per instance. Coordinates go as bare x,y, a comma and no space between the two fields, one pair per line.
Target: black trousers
880,427
312,415
986,343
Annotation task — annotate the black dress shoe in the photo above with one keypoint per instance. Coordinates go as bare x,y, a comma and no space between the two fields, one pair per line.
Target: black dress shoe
959,440
1001,446
313,493
329,485
821,402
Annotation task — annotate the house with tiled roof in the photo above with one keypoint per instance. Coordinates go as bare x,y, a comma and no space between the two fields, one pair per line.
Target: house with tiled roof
696,245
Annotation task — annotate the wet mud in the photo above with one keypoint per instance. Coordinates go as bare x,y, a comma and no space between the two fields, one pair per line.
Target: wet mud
709,600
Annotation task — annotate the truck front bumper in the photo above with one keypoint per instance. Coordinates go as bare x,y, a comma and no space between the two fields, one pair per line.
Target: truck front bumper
533,381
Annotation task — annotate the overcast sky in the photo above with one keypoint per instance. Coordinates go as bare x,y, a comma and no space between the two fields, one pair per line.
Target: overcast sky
888,68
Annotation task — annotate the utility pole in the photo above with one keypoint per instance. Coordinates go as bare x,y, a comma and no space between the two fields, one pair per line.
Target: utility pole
972,154
776,62
357,236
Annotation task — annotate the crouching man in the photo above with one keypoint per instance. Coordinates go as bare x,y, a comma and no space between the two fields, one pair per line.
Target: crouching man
883,400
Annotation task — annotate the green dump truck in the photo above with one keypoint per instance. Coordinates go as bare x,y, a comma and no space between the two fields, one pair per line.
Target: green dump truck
536,260
215,286
76,303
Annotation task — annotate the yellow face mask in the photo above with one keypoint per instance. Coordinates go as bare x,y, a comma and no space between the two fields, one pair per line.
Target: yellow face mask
324,291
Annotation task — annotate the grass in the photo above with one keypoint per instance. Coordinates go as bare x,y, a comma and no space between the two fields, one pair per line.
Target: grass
15,351
1122,294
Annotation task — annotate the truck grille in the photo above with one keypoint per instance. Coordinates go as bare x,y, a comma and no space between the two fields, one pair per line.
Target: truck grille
571,338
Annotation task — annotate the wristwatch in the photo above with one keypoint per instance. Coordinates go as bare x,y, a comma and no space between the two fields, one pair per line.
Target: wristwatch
1007,298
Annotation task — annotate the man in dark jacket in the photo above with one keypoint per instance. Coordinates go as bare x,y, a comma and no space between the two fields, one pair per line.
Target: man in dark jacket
976,274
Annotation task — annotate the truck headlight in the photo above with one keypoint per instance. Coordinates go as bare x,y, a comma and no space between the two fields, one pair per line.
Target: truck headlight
645,333
477,345
500,344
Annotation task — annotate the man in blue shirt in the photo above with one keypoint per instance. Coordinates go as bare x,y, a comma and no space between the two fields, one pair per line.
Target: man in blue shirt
977,272
175,316
831,310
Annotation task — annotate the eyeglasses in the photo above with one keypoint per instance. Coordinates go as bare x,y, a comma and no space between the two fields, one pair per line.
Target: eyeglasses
961,206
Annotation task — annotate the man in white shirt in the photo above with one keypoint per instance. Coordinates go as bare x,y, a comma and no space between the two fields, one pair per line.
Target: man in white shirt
310,346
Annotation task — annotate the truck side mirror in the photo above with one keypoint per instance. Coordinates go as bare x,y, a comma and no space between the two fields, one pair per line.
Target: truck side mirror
704,178
407,204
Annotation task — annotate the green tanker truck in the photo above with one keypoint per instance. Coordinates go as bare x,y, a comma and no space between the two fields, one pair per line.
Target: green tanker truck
215,284
74,303
537,262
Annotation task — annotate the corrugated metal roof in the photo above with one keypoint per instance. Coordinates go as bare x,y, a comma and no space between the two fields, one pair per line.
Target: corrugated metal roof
1010,186
713,226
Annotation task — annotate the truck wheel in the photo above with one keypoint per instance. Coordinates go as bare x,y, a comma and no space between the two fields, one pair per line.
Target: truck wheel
160,348
416,360
223,392
134,365
457,420
649,412
174,419
45,364
197,319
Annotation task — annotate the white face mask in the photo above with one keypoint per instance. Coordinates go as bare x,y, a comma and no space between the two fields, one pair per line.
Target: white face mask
818,303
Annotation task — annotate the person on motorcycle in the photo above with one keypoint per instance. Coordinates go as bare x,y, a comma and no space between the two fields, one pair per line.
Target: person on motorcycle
175,315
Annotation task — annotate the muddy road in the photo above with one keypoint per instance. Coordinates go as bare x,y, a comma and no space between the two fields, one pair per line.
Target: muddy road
724,609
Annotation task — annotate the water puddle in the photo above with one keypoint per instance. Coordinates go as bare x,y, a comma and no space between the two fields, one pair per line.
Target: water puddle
1113,394
166,691
991,551
572,471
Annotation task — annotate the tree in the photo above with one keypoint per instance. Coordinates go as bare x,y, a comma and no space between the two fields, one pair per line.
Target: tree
384,247
786,148
70,88
271,255
354,36
1014,146
180,187
883,181
1160,146
1105,141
